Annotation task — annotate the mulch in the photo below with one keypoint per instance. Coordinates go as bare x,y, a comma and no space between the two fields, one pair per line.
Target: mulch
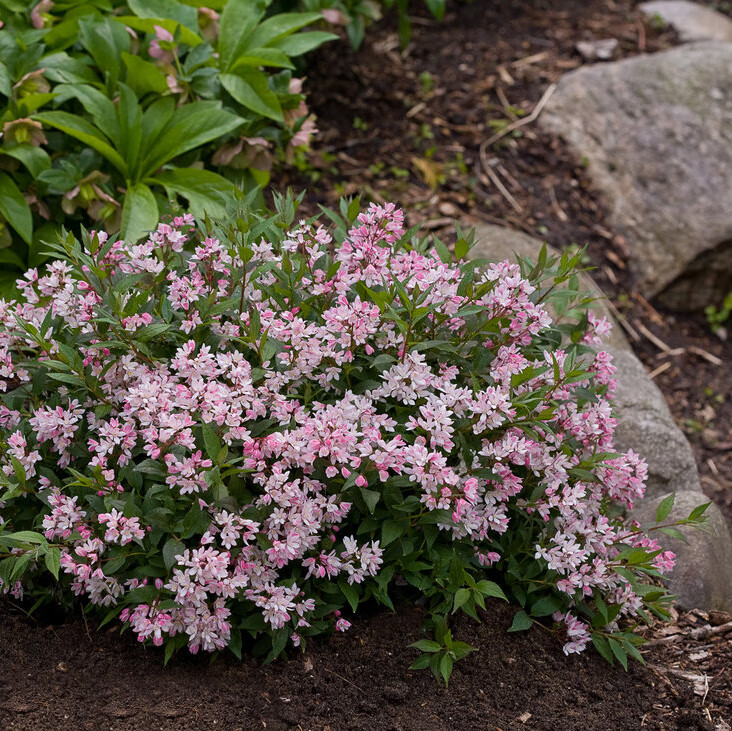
408,127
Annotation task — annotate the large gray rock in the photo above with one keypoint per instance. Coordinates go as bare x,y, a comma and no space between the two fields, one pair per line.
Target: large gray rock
702,577
692,21
646,426
657,134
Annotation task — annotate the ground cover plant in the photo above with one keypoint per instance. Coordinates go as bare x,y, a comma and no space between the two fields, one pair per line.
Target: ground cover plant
111,109
234,436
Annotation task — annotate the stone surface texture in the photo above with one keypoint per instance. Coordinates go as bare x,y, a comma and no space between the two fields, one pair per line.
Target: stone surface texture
702,577
656,132
692,21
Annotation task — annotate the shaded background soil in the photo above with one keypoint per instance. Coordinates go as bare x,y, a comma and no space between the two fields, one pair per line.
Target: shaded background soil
408,127
66,678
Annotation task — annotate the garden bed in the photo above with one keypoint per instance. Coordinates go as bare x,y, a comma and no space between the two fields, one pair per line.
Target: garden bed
441,94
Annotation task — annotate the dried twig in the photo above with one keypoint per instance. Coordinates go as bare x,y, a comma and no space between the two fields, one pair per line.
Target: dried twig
653,338
502,189
623,322
657,371
350,682
706,355
520,122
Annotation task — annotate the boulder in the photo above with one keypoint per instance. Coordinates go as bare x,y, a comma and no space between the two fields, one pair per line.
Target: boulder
702,577
656,132
692,21
646,426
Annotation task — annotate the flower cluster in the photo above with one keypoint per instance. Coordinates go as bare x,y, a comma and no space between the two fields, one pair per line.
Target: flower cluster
245,431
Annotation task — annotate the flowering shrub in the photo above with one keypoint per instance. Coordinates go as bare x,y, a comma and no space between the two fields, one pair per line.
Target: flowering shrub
251,430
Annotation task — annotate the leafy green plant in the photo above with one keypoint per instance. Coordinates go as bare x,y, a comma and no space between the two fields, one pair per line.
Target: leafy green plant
239,434
717,317
111,109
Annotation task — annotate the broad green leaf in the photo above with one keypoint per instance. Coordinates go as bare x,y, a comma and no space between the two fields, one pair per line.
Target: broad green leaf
105,40
280,25
237,20
189,127
129,114
300,43
461,597
35,159
249,87
29,104
664,507
14,208
183,14
602,646
490,588
263,57
63,69
26,536
8,256
5,80
143,76
85,132
521,622
426,646
157,115
210,440
147,25
139,213
171,549
391,530
619,652
53,561
370,497
350,593
101,108
206,192
436,7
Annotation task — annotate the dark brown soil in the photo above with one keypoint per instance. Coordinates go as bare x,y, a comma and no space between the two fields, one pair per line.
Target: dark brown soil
408,127
64,677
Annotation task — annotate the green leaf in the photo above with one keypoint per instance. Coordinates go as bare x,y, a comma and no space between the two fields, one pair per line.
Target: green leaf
147,25
189,127
53,561
139,213
5,80
436,7
461,597
602,646
211,440
263,57
249,87
105,40
545,606
619,652
350,593
698,511
302,43
171,549
446,668
237,21
421,663
280,25
207,193
98,105
35,159
521,622
25,536
391,530
85,132
14,208
182,14
426,646
371,498
143,76
490,588
664,507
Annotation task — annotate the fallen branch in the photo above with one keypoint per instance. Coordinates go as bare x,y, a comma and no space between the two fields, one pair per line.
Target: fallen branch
520,122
